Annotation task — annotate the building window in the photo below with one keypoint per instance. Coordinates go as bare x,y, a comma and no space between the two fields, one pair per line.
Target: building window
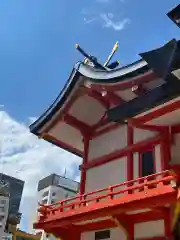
3,201
102,235
66,195
53,194
53,201
44,201
2,209
45,194
146,163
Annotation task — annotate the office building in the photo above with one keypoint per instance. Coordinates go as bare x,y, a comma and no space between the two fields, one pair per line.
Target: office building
52,189
10,197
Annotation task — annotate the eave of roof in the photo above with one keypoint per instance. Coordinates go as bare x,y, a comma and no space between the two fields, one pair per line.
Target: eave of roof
54,107
113,76
96,76
152,99
163,61
118,77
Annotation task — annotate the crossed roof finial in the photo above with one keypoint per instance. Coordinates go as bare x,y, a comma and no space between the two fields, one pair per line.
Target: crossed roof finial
91,60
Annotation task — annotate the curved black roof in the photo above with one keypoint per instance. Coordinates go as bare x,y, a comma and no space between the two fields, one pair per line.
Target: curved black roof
96,76
161,61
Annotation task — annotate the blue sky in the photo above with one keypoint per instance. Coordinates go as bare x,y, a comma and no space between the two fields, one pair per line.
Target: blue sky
37,39
37,53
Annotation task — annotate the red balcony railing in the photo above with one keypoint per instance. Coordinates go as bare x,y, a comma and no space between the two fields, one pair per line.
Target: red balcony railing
145,184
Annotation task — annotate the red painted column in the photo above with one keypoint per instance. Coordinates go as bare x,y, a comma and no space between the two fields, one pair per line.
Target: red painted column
76,235
68,233
85,161
130,154
131,231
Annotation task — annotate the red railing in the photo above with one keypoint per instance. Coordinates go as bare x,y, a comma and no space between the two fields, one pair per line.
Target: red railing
131,187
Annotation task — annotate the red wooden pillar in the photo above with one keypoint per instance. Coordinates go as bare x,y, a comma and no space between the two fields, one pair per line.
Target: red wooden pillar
85,161
130,231
76,235
68,234
130,154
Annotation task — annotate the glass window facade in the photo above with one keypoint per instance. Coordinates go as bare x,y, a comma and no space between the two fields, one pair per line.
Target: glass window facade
45,194
16,188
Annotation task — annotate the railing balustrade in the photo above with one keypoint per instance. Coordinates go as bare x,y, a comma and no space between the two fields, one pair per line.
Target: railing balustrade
130,187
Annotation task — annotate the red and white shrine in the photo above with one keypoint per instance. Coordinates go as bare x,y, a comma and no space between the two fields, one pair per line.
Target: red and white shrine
125,124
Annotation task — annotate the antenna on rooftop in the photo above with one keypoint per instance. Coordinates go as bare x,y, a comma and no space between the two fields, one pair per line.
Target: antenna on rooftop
91,60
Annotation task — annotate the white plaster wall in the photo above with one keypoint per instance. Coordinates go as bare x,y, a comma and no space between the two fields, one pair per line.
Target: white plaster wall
136,165
83,108
88,236
175,150
108,142
111,173
115,234
141,134
68,134
149,229
158,158
105,126
118,233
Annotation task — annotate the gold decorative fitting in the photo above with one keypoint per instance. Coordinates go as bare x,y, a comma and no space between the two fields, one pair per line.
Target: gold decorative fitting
104,93
87,84
173,184
134,88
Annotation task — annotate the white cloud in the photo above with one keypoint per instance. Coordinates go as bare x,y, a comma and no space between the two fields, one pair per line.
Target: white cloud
89,20
24,156
109,22
89,16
